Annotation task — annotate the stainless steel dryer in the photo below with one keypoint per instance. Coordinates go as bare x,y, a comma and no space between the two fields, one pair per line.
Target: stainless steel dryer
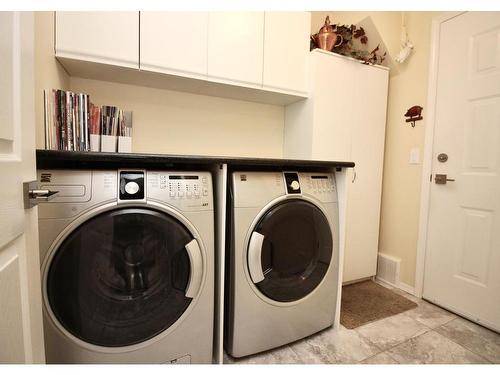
283,259
127,266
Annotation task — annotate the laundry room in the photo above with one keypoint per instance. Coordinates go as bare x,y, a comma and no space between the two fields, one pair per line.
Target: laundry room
249,185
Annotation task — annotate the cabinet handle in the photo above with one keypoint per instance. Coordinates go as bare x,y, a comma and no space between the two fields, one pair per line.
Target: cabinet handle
354,176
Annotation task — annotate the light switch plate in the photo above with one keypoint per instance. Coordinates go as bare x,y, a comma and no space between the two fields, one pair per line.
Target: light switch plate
415,155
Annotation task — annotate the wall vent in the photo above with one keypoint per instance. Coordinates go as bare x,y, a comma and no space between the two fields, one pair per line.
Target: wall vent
388,269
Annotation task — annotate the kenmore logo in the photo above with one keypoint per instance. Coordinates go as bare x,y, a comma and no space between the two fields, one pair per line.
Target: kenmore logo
45,177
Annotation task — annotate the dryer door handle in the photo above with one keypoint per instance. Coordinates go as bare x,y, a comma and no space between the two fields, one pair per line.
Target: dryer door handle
254,257
196,274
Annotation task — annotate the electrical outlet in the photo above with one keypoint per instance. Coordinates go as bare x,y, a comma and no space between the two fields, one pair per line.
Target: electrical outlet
415,155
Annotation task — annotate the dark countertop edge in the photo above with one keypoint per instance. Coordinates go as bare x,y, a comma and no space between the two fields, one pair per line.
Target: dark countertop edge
51,159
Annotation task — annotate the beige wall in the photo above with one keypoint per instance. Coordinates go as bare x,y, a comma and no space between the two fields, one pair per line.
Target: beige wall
401,182
167,121
48,72
181,123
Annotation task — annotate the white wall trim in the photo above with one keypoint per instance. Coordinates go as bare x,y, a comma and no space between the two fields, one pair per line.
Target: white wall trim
406,288
428,149
399,285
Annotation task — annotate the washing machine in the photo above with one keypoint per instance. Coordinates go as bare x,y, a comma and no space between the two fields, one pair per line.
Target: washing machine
127,266
283,261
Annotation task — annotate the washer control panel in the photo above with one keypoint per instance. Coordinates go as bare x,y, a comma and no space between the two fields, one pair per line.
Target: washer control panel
319,185
186,190
184,186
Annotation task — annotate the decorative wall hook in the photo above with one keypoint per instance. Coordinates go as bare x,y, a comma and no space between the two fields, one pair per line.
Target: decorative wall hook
414,114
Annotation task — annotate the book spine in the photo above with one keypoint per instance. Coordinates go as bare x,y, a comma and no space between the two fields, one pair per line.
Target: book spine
60,120
55,128
46,119
76,122
74,140
81,132
87,117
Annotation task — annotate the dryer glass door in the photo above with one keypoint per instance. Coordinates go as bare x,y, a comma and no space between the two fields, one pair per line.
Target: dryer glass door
120,278
294,243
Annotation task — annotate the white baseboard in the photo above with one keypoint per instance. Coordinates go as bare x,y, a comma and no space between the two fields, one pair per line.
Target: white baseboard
407,288
400,285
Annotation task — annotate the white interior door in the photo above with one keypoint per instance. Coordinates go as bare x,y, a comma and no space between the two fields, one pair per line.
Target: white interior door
463,241
21,335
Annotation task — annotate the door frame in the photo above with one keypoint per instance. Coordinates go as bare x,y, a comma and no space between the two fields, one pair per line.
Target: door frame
425,192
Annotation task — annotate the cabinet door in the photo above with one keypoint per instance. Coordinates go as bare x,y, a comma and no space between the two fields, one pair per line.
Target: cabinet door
365,185
236,46
333,95
104,37
174,42
286,46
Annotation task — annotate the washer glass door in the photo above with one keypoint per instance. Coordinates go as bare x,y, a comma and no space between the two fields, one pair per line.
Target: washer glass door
120,278
294,243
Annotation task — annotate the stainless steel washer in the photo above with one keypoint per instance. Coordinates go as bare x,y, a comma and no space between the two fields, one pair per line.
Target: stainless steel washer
127,266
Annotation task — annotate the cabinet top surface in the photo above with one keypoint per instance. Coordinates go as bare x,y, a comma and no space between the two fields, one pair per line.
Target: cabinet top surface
50,159
322,51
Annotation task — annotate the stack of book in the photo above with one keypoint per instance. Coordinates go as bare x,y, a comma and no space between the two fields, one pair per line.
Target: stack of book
66,121
73,123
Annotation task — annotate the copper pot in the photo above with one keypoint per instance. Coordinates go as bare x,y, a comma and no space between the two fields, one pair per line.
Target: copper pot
326,38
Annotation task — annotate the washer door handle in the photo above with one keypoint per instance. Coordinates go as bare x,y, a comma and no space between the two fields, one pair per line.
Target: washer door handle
254,257
196,274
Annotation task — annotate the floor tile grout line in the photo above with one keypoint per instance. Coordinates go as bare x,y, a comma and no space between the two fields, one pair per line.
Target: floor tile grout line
467,349
360,362
389,354
440,325
371,342
451,339
398,344
404,342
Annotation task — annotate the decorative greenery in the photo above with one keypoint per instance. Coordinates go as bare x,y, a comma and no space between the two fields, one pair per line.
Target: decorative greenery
347,48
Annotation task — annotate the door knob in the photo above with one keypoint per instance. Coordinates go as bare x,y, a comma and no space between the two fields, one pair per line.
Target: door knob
442,179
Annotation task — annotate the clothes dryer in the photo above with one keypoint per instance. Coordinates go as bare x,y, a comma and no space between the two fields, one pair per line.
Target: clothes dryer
283,259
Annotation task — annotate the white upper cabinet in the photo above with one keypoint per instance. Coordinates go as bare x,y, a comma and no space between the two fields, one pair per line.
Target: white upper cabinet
174,42
104,37
254,56
236,47
286,48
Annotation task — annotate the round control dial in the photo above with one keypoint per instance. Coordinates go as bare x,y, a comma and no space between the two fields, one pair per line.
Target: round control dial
131,187
295,185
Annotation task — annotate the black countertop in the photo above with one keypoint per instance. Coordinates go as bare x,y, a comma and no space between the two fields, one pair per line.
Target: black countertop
50,159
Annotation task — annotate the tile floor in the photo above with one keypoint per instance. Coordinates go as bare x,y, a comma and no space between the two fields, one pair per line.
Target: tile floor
426,334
